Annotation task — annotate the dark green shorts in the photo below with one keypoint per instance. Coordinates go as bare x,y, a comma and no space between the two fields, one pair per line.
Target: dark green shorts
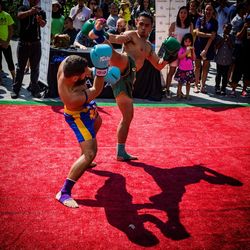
125,84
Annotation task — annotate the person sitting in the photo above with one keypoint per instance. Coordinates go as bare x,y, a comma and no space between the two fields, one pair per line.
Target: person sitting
113,17
82,41
69,29
121,26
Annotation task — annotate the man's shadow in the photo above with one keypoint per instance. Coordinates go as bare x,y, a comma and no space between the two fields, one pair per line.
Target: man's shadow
119,210
123,214
172,183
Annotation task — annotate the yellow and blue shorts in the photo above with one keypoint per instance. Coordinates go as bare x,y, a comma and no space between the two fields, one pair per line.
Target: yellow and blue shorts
82,121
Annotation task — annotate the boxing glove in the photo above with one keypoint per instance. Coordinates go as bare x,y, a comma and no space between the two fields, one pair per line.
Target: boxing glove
97,33
88,26
100,35
169,49
100,56
112,76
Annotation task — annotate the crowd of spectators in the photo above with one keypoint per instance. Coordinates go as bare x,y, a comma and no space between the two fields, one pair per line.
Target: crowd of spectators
220,30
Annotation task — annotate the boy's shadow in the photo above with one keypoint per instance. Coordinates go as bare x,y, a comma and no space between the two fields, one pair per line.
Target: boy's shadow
123,214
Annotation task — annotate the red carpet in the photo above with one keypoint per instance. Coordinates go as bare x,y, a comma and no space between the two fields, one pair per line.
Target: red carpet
189,189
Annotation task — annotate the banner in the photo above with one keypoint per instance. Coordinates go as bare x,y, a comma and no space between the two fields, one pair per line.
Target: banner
166,12
46,5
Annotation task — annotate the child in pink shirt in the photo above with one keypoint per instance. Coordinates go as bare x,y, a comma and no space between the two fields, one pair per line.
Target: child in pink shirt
185,71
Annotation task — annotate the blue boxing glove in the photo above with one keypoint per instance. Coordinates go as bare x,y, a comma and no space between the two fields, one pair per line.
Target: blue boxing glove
112,76
100,56
100,35
97,33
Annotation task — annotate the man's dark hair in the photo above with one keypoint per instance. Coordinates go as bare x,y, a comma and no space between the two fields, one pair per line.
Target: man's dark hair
146,14
74,65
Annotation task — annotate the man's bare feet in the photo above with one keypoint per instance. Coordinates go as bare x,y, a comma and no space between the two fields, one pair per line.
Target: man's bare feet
66,200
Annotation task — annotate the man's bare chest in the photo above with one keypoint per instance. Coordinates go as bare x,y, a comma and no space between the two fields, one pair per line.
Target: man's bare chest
136,49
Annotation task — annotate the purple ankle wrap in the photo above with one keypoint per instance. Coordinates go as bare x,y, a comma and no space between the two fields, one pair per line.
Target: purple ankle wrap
66,189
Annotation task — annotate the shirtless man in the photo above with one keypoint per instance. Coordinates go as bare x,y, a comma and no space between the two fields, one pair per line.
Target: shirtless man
80,110
136,49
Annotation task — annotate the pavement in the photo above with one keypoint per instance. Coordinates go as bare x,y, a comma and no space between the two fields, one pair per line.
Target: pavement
210,99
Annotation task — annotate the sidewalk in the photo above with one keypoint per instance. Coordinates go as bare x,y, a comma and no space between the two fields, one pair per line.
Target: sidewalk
197,99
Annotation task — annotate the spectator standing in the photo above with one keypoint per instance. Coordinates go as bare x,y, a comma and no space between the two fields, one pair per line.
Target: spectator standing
242,63
29,46
57,21
91,5
134,7
193,11
124,11
69,29
6,32
224,46
105,8
222,15
62,3
237,23
113,17
121,27
178,29
97,12
233,10
185,72
141,5
206,28
79,14
144,5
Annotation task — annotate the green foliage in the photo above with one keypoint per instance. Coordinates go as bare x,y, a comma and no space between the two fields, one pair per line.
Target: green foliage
69,4
11,7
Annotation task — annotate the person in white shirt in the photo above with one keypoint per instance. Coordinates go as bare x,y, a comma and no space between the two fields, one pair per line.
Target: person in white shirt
222,15
79,14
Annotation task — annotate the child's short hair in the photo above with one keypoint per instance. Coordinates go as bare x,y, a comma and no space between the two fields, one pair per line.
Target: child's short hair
187,36
68,18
